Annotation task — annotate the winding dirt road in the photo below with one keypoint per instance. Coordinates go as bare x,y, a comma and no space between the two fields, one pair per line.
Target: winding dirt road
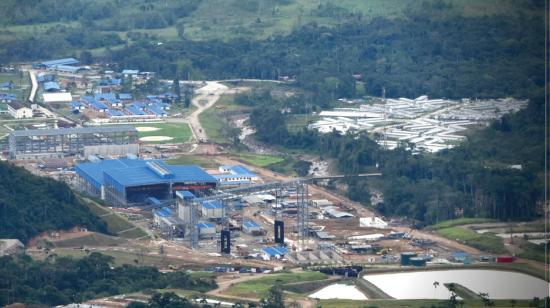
206,97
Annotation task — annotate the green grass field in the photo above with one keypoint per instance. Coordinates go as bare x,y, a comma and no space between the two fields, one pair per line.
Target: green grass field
259,160
486,241
460,222
258,288
213,126
179,132
115,223
192,160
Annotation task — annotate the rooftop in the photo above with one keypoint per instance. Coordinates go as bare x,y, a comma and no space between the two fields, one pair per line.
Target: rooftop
275,251
185,194
164,212
64,61
73,130
204,225
212,204
136,172
250,224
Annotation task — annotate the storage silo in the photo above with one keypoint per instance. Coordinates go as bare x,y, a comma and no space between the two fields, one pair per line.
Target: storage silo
406,257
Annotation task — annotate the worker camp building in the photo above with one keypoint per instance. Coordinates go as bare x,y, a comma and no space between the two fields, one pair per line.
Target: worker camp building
128,182
102,140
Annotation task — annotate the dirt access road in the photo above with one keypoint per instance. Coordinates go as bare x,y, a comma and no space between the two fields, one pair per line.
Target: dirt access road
206,97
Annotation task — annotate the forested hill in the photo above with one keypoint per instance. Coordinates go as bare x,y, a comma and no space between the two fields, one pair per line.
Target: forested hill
30,205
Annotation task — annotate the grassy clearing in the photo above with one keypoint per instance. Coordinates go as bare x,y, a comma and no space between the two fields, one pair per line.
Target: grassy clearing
179,132
298,122
258,288
486,241
115,223
460,222
192,160
533,251
120,257
259,160
214,126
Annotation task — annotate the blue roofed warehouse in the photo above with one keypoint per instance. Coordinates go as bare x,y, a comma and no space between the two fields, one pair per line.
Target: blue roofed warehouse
124,182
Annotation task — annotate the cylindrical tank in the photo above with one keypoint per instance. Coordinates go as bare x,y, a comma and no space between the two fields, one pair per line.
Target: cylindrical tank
406,257
416,261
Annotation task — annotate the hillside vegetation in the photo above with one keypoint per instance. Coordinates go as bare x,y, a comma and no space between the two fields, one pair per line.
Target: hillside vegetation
30,205
64,280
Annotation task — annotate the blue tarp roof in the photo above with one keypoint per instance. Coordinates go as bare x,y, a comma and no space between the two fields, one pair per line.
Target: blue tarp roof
77,104
125,96
185,194
134,110
64,61
114,113
110,97
44,77
204,225
8,96
51,85
212,204
7,84
251,224
275,250
157,110
164,212
110,82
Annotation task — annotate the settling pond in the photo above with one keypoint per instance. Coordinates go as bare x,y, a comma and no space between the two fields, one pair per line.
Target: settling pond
339,291
498,284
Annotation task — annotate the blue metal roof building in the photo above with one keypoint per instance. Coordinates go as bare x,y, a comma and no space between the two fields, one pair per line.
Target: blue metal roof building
235,175
65,61
274,252
51,86
126,181
185,194
66,68
250,226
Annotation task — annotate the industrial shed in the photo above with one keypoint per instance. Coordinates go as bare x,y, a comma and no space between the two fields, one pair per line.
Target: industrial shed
250,226
125,182
212,209
206,229
273,252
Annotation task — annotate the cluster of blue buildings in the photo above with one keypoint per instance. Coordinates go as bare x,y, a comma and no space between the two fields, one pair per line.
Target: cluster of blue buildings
121,106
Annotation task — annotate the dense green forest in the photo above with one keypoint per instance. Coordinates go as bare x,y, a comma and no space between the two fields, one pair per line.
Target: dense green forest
64,280
471,180
454,57
30,204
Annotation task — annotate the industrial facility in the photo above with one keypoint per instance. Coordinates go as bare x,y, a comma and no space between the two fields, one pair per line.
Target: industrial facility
61,142
127,182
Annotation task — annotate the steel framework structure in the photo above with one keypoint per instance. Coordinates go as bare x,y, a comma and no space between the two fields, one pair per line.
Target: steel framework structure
67,141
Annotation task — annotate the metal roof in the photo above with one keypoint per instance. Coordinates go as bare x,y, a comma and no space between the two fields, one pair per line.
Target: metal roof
185,194
212,204
275,250
51,85
67,68
251,224
74,130
163,212
204,225
64,61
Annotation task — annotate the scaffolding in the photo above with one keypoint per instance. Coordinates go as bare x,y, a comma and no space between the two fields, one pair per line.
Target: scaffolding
38,143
